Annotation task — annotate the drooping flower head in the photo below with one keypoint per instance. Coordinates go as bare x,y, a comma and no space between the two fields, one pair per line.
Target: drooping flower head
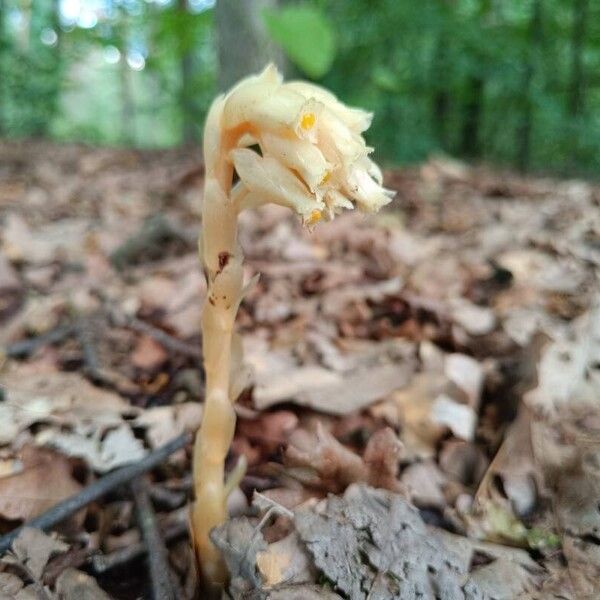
312,157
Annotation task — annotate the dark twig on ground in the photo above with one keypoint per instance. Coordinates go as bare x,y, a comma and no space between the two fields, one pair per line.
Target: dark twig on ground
86,331
171,499
176,529
85,336
168,341
28,346
149,242
96,490
158,561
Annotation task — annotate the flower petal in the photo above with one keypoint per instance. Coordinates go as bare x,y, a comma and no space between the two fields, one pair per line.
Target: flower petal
357,119
300,155
269,180
337,138
367,193
262,106
372,169
336,202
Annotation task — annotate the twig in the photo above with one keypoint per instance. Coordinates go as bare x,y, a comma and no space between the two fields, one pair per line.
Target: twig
28,346
158,562
168,341
148,243
173,531
99,488
85,336
92,364
162,495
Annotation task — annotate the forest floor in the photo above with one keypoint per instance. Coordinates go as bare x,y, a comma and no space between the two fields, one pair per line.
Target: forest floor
423,415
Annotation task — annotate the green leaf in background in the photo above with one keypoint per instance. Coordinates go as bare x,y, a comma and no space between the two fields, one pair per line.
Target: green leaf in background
385,79
306,36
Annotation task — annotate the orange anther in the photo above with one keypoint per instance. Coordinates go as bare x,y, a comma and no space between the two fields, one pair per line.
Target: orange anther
315,217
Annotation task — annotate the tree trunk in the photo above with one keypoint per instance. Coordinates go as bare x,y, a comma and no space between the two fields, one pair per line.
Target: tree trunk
526,124
186,69
472,109
128,134
441,97
3,67
576,100
244,45
43,58
57,63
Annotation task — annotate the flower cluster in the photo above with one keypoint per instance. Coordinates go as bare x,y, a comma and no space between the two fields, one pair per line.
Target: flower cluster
312,158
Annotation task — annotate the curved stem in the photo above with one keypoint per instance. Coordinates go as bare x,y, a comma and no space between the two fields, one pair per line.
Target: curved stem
222,261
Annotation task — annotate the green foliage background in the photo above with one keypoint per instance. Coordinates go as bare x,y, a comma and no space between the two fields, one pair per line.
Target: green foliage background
514,82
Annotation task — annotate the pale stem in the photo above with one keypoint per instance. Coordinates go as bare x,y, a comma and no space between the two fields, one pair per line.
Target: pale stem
218,420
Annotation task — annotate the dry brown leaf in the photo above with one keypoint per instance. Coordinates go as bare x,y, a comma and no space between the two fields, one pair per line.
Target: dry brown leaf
292,496
148,354
157,291
424,484
329,391
10,585
64,238
510,489
10,286
116,448
303,592
476,320
271,566
501,564
77,585
539,270
269,430
186,321
463,461
45,480
382,457
467,374
80,419
65,398
286,561
568,376
320,453
355,391
335,301
318,459
163,423
515,466
420,433
33,549
458,418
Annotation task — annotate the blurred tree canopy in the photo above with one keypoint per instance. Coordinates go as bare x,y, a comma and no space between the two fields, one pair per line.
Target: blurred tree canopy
514,82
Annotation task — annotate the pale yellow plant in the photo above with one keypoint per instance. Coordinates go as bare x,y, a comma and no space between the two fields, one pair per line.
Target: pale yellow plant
314,160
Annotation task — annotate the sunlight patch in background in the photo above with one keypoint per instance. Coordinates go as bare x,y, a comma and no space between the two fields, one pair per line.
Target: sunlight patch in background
48,37
82,13
112,55
136,60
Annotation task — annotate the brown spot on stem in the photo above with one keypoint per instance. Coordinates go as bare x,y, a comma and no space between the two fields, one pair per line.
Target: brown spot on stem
223,260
